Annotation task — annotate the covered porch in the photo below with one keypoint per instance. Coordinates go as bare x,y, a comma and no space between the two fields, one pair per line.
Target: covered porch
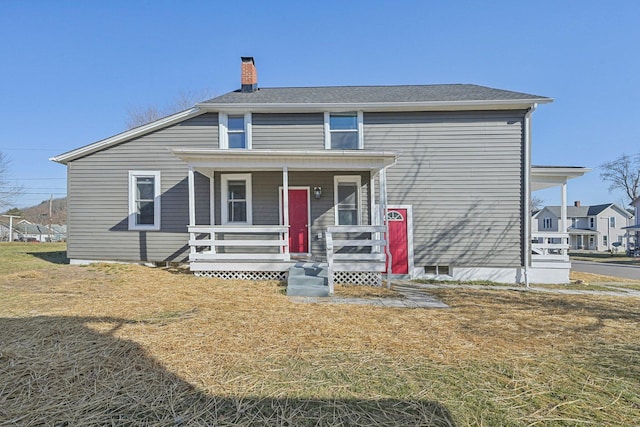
270,209
549,253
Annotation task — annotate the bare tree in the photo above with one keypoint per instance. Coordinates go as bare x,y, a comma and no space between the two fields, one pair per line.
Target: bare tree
536,203
138,116
7,190
623,174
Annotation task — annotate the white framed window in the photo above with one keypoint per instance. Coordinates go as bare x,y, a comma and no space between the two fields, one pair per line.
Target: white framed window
574,222
347,199
234,131
605,241
612,221
144,200
236,206
343,131
592,222
547,223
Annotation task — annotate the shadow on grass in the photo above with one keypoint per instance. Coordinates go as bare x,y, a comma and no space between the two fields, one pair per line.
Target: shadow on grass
74,371
54,257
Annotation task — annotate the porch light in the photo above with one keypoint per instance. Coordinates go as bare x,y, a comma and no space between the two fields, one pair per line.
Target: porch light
317,192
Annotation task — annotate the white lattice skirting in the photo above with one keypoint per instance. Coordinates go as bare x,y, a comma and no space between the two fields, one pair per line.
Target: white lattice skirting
358,278
243,275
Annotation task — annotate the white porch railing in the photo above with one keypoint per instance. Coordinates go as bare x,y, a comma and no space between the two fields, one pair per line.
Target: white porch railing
550,246
371,261
261,239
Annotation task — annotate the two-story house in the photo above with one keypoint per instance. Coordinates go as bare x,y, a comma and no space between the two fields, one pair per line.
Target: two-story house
634,230
424,180
595,228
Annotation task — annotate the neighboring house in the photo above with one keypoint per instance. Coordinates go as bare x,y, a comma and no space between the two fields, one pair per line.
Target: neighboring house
595,228
634,230
4,231
245,184
28,232
59,232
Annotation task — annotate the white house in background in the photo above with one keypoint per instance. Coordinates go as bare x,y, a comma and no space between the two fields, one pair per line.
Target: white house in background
634,230
595,228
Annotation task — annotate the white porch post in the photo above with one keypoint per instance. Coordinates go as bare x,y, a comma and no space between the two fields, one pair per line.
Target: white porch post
212,207
563,213
285,210
192,198
372,198
383,213
563,208
212,198
192,207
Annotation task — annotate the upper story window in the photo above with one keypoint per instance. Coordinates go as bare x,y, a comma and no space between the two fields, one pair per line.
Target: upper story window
592,222
237,201
144,200
343,131
612,221
546,223
235,130
347,200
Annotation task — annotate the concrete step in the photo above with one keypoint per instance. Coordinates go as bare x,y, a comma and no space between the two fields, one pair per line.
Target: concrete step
307,279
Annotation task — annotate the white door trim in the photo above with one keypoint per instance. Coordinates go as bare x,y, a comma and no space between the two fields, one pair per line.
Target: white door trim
409,209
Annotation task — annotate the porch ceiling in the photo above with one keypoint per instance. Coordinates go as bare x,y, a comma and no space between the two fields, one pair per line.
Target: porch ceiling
551,176
335,160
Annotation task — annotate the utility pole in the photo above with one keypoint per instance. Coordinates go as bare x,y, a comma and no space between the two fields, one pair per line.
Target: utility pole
50,211
11,225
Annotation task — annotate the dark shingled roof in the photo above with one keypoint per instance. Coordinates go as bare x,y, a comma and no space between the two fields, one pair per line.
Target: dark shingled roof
373,94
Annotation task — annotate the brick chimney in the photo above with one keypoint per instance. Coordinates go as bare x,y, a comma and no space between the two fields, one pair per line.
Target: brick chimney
249,75
576,203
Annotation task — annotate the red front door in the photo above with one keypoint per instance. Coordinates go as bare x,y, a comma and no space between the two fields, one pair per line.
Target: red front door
398,242
298,221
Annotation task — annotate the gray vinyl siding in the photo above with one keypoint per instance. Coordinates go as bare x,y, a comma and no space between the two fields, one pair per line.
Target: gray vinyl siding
98,200
303,131
463,174
266,211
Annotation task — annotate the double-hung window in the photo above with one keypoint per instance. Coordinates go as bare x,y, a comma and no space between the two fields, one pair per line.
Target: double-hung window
546,223
236,203
347,200
612,222
144,200
235,131
343,131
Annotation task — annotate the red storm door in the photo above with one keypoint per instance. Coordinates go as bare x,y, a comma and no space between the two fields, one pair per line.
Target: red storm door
298,221
398,242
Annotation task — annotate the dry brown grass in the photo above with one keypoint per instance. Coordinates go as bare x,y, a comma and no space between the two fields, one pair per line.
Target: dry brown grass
129,345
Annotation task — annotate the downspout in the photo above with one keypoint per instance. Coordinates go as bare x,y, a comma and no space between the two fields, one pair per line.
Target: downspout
527,193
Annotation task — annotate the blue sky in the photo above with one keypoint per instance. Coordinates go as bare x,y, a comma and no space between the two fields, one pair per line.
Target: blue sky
72,69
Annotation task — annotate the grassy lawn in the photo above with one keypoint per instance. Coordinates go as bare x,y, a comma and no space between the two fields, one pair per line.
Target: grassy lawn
130,345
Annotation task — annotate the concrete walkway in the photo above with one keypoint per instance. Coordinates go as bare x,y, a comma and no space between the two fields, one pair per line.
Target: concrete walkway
412,297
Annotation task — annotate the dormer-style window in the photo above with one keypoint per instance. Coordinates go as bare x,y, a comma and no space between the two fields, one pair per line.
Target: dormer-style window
546,223
235,131
343,131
